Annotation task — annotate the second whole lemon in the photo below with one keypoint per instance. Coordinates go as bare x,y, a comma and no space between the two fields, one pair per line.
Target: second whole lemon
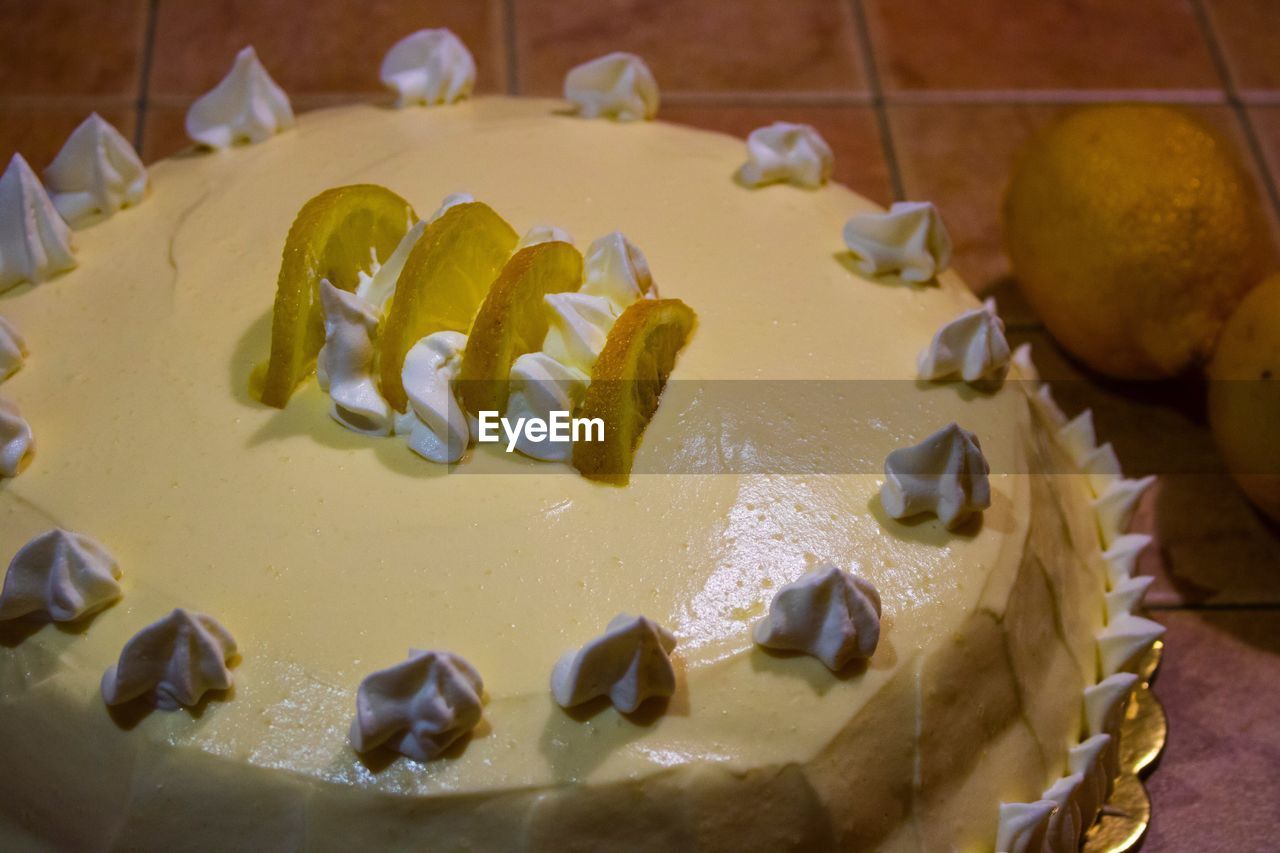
1244,396
1133,232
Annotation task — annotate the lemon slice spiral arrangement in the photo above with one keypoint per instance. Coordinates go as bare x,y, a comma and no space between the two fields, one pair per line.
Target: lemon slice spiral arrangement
464,276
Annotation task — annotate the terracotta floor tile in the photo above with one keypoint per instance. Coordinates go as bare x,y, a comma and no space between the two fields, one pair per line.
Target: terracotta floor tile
164,133
762,45
38,132
960,156
1211,546
1216,787
65,47
850,131
1266,124
1249,32
312,47
1050,44
1214,547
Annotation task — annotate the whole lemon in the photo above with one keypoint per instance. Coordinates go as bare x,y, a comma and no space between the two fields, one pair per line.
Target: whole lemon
1134,231
1244,395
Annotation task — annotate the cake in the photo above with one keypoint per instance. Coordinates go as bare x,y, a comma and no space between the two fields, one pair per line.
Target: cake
925,646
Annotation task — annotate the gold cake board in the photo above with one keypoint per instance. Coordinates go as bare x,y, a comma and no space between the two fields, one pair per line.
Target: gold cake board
1143,732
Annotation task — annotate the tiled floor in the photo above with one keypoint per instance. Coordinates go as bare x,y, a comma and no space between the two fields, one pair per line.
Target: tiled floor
919,99
1246,30
195,41
805,46
1214,790
56,48
1000,45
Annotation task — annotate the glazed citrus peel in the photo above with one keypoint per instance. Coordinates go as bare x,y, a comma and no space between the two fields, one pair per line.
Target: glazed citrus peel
512,320
444,282
332,238
627,381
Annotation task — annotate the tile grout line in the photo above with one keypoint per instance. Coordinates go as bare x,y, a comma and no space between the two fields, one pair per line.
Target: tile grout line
1236,105
729,98
87,102
144,75
868,61
1033,97
509,45
757,98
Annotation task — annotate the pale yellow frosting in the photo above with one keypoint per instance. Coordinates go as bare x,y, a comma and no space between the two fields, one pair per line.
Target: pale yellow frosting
328,554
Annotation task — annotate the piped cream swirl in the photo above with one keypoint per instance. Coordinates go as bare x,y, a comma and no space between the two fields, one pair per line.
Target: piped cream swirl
60,575
246,106
429,67
828,613
172,662
909,240
17,444
96,173
946,474
35,242
554,379
436,427
629,663
617,85
345,365
419,707
13,349
789,153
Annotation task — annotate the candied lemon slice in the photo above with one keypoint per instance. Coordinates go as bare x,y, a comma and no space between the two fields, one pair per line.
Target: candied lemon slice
442,285
626,382
513,320
331,237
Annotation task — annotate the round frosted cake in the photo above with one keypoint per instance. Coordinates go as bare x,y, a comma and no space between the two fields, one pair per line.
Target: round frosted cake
981,719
